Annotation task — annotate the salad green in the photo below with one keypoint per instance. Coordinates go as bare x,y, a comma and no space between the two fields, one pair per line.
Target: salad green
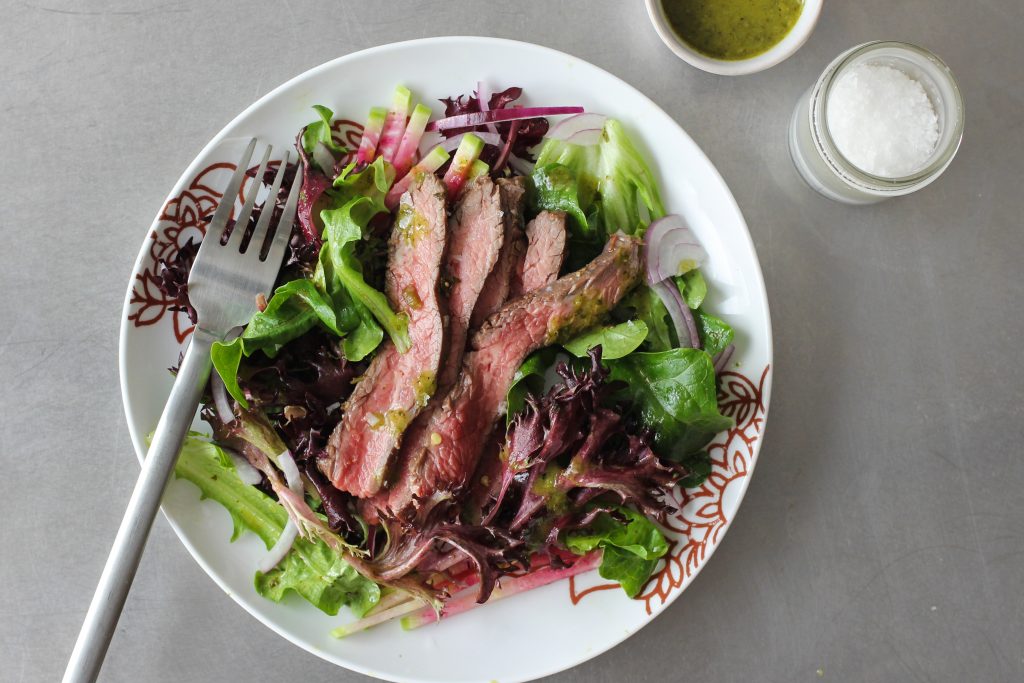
311,569
632,546
616,341
585,465
674,395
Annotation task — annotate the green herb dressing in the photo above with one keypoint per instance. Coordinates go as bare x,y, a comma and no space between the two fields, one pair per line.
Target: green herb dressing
732,29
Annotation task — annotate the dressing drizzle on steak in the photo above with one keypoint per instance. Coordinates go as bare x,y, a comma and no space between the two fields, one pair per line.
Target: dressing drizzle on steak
476,235
396,386
459,429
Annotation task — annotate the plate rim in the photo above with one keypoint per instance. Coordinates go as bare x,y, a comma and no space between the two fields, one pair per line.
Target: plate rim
492,42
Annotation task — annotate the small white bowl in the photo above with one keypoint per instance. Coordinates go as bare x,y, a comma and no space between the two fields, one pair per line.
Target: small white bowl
796,37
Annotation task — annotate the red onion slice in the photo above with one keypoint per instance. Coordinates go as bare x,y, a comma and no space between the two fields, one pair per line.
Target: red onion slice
483,96
480,118
281,548
220,399
671,248
723,358
586,138
682,317
576,125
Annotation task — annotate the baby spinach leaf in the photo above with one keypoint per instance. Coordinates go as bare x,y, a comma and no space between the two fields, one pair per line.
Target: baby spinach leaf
693,287
715,333
699,466
644,304
616,341
629,570
675,395
632,545
634,533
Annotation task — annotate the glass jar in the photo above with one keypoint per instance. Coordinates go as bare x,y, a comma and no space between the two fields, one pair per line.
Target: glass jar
822,165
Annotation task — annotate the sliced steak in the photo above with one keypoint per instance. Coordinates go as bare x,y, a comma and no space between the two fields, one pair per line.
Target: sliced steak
397,385
459,429
499,282
475,237
545,252
476,233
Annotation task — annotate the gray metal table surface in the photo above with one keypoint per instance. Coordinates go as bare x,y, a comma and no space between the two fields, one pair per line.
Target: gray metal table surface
881,537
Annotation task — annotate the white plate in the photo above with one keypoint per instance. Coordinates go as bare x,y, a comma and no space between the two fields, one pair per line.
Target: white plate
560,625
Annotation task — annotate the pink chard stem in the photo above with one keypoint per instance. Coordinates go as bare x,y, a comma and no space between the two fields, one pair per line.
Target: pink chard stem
411,139
394,124
466,601
467,153
371,136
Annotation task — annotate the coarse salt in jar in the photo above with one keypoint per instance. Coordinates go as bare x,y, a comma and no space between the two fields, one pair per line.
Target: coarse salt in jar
883,120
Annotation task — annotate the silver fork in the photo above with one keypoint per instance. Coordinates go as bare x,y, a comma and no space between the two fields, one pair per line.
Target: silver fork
222,286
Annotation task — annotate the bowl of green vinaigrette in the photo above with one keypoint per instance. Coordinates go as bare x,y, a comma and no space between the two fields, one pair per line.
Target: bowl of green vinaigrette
734,37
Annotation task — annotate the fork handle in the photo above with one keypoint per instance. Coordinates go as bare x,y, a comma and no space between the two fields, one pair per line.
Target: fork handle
123,561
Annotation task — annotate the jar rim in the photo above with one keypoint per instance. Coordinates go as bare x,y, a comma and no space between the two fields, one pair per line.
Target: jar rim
818,112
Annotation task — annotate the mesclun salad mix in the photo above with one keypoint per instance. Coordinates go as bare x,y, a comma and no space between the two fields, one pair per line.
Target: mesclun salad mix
484,366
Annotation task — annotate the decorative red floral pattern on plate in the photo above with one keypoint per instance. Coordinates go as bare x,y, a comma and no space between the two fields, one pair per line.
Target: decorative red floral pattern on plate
702,520
183,218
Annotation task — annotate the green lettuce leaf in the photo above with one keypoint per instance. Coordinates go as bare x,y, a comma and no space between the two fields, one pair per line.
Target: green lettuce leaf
616,341
626,183
366,337
296,307
343,229
675,395
553,187
581,161
340,273
322,577
631,544
320,131
610,183
337,297
312,570
373,182
211,470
